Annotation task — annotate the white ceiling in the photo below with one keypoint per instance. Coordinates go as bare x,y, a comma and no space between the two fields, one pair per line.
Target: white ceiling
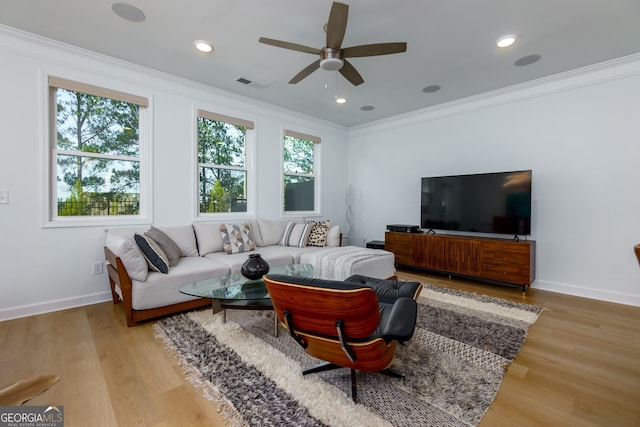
450,43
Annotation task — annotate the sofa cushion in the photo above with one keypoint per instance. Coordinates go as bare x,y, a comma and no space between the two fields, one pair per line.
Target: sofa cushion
318,234
160,289
209,238
129,253
166,244
295,234
274,255
237,238
272,231
184,237
156,258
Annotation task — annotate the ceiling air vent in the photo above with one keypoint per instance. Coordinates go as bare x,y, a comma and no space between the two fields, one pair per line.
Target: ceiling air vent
248,82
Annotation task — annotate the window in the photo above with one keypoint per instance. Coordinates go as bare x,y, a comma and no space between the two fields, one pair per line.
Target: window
224,172
300,170
95,154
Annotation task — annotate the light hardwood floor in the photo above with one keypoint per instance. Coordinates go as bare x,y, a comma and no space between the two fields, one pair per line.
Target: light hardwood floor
580,366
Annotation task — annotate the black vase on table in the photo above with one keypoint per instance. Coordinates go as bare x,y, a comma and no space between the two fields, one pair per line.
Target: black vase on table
255,267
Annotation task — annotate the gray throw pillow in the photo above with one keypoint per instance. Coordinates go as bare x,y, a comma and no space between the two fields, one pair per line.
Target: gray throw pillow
170,248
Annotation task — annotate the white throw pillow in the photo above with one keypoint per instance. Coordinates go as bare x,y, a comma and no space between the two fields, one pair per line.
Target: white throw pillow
130,255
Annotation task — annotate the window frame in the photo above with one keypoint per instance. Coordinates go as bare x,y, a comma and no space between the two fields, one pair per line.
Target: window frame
317,182
249,166
51,219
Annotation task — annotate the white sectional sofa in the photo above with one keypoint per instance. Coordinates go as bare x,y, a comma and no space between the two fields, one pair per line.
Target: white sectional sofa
147,294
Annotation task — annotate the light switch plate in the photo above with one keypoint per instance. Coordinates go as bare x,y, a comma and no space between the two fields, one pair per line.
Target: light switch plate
4,196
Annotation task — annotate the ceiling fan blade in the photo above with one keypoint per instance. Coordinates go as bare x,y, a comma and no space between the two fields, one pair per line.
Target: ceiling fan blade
373,50
350,73
337,25
291,46
305,72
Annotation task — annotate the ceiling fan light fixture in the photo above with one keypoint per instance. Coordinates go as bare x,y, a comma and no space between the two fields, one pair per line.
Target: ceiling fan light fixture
331,64
203,46
506,41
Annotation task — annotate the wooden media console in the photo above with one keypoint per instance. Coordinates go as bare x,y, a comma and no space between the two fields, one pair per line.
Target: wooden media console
496,260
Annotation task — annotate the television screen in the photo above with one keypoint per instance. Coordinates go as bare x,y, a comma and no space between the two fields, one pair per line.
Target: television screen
485,203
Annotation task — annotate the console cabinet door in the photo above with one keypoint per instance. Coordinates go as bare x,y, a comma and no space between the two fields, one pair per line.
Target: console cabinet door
401,244
508,261
463,256
428,251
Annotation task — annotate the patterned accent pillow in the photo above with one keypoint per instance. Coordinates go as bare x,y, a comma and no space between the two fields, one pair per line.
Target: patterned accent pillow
319,231
295,234
169,247
156,258
237,238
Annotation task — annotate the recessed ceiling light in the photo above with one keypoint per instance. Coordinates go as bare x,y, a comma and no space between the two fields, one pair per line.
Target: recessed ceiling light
341,100
527,60
367,108
203,46
431,89
128,12
506,41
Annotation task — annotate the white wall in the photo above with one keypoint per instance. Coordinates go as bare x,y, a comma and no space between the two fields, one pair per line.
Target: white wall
44,269
578,132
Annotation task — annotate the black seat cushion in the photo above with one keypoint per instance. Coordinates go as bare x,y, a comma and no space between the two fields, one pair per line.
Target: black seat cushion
388,290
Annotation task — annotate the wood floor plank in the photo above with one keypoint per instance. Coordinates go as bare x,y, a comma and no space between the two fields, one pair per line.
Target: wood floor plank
578,367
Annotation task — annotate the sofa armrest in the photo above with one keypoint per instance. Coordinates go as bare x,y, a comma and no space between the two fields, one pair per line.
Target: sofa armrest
118,276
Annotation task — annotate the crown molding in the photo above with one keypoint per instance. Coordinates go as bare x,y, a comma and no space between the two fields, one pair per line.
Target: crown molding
618,68
66,55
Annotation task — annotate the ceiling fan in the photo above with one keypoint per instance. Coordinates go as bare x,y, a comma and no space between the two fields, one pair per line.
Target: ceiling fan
333,56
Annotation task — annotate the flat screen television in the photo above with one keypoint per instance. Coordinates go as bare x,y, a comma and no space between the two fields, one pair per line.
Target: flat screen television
496,203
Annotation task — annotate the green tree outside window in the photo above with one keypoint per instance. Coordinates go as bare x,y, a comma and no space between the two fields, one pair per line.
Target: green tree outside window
222,166
97,155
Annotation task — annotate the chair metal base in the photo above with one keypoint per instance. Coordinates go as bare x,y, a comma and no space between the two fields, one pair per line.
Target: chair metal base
328,366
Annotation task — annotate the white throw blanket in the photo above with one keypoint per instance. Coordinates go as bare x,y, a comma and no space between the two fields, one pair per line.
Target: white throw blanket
337,263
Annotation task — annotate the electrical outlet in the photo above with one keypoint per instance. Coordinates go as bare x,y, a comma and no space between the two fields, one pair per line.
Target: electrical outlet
4,196
97,267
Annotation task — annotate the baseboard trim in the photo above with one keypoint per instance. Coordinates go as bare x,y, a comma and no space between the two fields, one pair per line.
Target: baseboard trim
579,291
56,305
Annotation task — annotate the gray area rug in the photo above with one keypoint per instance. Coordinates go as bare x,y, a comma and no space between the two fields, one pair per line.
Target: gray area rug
454,365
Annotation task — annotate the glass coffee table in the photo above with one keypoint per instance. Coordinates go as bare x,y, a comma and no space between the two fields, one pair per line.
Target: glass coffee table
234,291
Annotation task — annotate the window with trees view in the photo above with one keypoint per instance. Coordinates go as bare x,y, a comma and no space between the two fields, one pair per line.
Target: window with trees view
223,166
95,151
300,168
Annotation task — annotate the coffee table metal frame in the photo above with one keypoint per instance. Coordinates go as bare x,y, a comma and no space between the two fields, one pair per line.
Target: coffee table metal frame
234,291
